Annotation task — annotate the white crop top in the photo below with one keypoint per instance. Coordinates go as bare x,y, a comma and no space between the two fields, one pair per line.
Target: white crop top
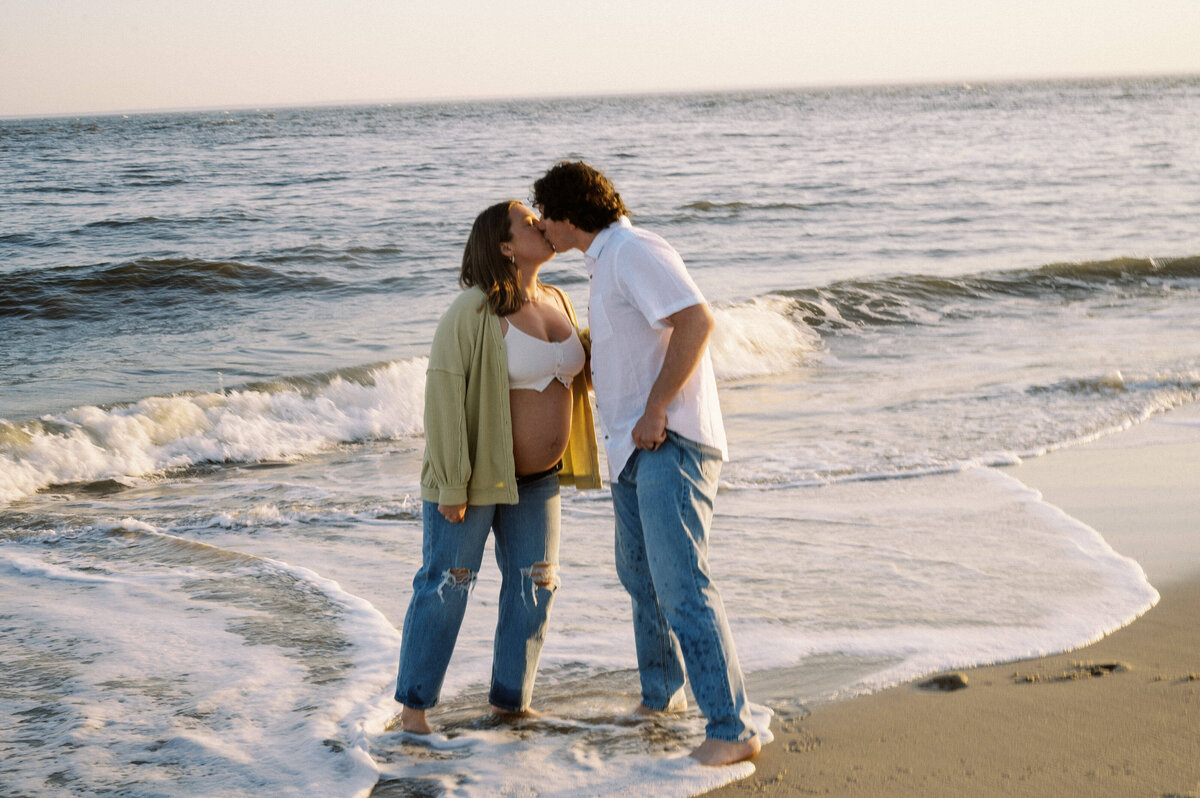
533,363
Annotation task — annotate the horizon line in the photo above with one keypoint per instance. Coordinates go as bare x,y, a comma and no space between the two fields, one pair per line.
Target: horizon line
466,99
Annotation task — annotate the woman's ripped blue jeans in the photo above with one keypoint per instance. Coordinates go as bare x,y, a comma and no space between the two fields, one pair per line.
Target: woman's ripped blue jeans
526,546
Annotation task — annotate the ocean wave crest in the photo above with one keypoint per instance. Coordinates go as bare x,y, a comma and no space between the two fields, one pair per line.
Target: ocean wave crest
927,299
738,208
147,223
90,292
1185,385
277,421
758,338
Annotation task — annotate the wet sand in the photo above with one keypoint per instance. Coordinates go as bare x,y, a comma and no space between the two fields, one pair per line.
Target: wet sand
1119,718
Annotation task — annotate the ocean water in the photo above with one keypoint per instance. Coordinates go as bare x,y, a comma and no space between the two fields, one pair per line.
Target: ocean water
214,332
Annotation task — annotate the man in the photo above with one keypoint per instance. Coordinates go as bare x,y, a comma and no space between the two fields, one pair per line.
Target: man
657,398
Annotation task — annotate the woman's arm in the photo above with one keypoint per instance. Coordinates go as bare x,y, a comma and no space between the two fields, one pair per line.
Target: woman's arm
447,465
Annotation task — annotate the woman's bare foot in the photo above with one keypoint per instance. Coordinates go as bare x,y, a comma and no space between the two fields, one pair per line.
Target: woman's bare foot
718,752
413,721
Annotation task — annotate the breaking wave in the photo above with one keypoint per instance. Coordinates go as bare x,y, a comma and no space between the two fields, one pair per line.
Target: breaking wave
275,421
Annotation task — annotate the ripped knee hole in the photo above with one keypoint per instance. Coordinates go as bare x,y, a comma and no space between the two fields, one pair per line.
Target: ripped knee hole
456,578
544,574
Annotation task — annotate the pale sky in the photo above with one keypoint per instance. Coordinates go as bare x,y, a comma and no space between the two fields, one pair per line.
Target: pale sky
94,56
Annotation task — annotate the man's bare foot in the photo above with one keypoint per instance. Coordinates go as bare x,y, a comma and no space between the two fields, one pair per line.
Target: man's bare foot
509,714
413,721
718,752
676,707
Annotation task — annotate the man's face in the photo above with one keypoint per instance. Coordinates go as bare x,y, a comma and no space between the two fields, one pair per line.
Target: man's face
560,233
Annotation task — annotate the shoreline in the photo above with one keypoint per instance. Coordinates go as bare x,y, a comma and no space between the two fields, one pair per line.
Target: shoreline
1118,717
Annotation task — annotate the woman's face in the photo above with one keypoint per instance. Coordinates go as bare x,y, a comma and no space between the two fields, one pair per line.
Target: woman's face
527,245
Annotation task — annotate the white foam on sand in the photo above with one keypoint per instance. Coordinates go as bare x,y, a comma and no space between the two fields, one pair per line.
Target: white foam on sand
941,572
560,758
869,584
177,680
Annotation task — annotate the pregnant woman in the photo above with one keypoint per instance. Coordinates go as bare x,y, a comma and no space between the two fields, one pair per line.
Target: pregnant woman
507,420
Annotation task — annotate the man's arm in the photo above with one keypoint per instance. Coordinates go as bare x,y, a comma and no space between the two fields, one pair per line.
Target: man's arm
691,328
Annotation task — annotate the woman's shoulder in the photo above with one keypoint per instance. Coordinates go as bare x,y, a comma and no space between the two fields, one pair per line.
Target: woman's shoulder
468,303
471,294
564,302
466,314
560,296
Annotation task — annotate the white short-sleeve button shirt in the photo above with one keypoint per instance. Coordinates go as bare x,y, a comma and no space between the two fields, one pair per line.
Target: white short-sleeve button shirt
637,281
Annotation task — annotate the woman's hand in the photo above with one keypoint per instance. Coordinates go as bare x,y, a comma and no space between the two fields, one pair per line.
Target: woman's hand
454,513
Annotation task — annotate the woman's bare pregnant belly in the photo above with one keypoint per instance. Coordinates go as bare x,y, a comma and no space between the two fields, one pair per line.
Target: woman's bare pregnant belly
541,424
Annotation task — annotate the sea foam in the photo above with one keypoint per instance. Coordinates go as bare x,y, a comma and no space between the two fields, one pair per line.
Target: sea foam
761,337
197,672
158,433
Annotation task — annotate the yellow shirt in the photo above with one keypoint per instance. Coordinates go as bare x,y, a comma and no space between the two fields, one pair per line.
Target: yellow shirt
468,423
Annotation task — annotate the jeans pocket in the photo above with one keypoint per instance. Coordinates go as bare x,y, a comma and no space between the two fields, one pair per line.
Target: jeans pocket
701,450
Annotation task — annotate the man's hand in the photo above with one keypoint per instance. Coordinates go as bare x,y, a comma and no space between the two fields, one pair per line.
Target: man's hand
650,431
454,513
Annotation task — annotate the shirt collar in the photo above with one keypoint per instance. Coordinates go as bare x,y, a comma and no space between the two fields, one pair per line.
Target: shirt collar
602,238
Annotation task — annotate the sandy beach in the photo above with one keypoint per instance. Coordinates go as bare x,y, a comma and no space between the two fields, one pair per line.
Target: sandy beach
1120,717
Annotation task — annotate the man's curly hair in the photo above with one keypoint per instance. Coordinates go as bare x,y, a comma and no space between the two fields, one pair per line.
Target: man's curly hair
580,194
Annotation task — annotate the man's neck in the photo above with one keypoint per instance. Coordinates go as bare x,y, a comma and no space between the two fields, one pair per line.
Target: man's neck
584,240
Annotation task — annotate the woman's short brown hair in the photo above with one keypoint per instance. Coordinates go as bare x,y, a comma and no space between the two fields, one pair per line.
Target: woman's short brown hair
580,194
483,264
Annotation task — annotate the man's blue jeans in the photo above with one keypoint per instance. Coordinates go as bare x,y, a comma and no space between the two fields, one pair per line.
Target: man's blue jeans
527,552
663,503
